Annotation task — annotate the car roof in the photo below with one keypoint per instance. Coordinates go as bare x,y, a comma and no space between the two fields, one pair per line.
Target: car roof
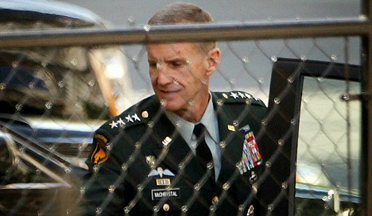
48,11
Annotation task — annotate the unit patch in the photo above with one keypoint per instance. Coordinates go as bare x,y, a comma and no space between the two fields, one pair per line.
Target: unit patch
172,193
99,154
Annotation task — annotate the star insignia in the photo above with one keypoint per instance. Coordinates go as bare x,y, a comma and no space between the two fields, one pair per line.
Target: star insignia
135,117
129,118
248,95
113,124
120,122
241,95
234,95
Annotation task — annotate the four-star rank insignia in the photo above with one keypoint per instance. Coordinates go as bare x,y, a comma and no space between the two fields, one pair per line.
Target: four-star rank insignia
130,118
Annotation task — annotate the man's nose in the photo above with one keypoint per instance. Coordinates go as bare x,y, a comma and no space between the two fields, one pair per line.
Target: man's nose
163,75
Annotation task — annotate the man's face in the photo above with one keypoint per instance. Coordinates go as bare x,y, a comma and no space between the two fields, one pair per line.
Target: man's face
179,74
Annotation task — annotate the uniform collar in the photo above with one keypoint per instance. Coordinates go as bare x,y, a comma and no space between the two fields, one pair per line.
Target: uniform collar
209,120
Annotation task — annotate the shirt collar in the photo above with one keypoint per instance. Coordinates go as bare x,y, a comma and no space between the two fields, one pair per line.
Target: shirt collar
209,120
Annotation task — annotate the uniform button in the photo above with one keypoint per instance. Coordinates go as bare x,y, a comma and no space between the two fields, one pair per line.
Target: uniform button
145,114
166,207
254,188
215,200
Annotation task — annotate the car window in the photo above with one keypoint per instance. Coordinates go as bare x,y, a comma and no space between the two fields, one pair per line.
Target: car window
328,152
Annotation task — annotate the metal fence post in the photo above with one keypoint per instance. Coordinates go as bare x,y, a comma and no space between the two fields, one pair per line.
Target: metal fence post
367,112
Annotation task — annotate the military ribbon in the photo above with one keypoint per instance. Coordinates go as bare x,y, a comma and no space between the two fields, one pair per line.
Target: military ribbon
251,156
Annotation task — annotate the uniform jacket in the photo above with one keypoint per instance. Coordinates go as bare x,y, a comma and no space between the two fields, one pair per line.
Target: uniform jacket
140,164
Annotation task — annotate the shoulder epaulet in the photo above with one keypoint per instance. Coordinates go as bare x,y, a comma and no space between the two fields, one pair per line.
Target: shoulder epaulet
133,116
238,97
139,114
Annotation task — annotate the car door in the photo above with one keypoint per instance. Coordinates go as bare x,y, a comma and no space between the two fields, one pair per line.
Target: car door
314,128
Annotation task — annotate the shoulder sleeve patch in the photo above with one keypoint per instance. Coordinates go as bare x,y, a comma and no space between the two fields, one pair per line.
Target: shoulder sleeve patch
99,154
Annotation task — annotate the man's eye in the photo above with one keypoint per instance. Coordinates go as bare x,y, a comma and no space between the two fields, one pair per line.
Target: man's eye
152,64
176,64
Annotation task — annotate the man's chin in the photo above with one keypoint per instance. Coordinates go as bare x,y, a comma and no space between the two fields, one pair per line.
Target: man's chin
171,105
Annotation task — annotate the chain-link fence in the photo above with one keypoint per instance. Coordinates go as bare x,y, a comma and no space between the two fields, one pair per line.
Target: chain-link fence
58,87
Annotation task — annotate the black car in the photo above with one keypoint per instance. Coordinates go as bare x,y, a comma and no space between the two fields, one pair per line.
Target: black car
50,104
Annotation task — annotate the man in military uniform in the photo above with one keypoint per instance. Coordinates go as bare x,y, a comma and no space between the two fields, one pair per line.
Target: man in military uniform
185,150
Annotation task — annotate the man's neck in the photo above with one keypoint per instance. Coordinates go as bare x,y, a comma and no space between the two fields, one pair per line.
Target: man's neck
195,111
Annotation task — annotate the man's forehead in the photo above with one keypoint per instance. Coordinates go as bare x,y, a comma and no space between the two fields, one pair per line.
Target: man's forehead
170,50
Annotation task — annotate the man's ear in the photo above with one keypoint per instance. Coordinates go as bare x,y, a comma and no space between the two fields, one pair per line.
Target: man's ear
213,60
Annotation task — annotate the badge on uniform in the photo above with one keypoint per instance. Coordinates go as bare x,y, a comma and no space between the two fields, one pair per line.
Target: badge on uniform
99,154
160,193
251,156
160,172
169,193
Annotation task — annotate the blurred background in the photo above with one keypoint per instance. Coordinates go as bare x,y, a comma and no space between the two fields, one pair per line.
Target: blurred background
127,12
132,13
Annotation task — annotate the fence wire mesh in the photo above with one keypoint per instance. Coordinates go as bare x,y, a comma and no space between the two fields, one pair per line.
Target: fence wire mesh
53,99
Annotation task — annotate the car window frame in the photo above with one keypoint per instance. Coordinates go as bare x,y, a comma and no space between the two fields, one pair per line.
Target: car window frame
283,120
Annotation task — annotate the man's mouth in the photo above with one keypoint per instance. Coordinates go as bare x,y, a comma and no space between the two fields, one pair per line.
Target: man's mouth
169,91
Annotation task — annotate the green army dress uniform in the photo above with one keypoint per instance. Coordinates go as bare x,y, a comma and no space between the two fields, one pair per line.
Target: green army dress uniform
140,164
